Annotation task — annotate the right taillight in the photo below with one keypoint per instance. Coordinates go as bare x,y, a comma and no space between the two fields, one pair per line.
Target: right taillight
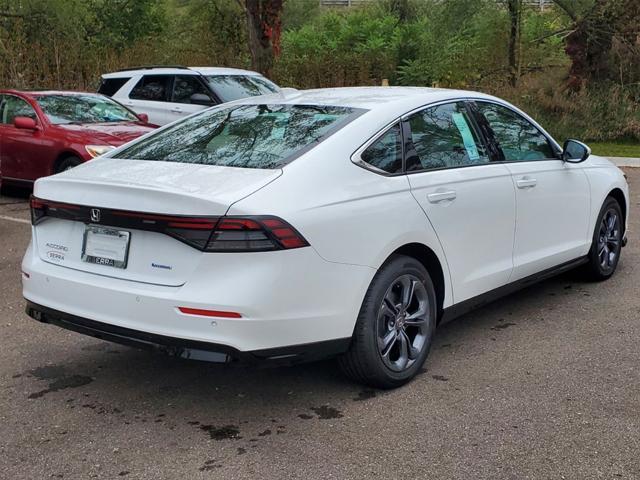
254,234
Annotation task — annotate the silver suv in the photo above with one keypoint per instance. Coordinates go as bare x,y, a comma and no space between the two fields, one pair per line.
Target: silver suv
167,93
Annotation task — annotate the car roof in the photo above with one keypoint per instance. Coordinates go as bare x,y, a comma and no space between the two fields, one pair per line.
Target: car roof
390,99
32,93
179,71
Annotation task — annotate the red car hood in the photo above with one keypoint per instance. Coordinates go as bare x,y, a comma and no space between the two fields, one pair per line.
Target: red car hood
107,133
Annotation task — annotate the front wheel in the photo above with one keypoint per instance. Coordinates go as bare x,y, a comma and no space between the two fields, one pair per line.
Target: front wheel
607,241
395,326
68,163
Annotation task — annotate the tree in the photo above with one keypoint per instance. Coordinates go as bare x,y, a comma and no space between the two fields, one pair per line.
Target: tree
515,21
597,26
264,24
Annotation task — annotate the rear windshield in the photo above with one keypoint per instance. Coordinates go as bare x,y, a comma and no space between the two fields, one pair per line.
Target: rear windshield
247,136
235,87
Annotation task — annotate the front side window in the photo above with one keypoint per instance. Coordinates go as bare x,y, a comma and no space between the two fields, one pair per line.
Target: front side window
234,87
517,138
386,152
65,109
13,107
155,88
445,137
187,85
247,136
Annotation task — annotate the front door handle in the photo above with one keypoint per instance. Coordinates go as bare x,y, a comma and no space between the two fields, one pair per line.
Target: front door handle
526,182
441,196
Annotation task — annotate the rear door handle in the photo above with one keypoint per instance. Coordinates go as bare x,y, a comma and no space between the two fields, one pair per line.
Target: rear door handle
526,182
441,196
176,110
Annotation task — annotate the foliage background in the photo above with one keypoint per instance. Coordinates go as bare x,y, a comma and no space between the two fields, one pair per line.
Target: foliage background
447,43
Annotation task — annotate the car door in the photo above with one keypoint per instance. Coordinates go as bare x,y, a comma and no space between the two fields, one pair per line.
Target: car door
152,95
22,151
469,200
189,95
552,196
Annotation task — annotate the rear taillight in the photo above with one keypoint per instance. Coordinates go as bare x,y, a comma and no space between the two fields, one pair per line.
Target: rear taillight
209,234
42,208
254,234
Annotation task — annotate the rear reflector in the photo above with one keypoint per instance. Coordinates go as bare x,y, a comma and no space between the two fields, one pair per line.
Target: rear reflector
209,313
209,234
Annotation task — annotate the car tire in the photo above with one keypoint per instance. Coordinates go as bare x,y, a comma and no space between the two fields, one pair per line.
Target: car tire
392,337
606,245
68,163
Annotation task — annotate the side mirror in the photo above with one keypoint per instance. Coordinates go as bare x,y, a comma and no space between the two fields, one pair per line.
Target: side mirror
575,151
201,99
143,117
25,123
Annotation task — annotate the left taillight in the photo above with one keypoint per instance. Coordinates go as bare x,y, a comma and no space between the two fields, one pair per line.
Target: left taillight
42,208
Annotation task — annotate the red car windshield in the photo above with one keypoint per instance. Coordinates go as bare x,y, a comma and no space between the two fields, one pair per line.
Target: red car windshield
65,109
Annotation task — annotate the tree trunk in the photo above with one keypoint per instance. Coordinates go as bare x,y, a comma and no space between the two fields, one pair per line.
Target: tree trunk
515,18
264,24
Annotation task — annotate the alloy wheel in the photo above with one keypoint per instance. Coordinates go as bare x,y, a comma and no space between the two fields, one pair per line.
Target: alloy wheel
402,323
609,239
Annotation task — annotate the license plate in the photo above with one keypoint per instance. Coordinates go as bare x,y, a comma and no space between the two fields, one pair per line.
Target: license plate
105,246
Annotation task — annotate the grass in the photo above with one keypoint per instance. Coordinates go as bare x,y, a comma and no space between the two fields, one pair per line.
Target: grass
615,149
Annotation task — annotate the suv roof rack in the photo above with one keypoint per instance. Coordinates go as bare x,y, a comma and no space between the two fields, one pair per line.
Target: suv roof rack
151,67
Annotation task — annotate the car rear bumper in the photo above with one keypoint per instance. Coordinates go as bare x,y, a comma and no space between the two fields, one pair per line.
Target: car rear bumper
286,299
183,348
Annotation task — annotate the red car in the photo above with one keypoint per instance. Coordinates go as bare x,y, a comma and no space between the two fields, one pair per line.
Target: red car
42,133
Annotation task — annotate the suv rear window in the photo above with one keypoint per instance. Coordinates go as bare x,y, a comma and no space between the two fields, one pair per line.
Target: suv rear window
247,136
109,86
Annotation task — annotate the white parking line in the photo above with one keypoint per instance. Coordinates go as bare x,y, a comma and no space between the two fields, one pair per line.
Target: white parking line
18,220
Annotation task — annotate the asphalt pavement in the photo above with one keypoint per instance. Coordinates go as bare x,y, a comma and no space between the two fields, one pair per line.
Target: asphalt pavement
542,384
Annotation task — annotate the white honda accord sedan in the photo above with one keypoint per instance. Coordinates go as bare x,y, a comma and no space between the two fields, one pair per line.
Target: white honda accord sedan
342,222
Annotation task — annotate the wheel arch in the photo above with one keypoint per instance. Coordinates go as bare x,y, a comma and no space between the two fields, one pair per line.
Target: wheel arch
62,156
431,262
622,201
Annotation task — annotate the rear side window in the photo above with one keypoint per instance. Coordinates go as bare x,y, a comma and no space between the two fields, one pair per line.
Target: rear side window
248,136
386,153
445,137
109,86
155,88
517,138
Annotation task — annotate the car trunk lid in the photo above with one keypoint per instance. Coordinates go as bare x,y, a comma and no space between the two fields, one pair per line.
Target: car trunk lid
124,208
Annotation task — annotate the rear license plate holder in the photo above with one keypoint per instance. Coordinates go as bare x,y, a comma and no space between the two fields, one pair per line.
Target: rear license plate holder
106,246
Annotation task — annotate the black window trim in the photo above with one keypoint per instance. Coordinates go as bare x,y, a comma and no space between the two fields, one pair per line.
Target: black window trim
488,143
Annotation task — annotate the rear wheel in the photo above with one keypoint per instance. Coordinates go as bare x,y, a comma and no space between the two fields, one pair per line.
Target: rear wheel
68,163
607,241
395,326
